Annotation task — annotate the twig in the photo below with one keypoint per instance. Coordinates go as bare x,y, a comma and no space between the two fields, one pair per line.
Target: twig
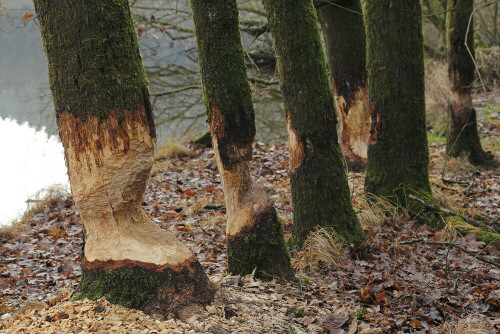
215,206
178,90
454,182
466,191
465,279
441,243
455,284
451,213
263,81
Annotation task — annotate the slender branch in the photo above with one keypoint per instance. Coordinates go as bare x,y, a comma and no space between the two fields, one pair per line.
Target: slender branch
451,213
263,81
318,4
178,90
455,284
448,244
453,181
256,29
215,206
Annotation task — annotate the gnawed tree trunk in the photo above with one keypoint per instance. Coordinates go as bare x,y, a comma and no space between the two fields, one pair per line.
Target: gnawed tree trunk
344,33
398,158
106,126
462,136
320,192
254,232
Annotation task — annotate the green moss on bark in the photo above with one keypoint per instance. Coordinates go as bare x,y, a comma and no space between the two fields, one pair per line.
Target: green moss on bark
224,74
345,40
320,192
231,116
149,290
397,154
460,62
260,247
123,286
93,56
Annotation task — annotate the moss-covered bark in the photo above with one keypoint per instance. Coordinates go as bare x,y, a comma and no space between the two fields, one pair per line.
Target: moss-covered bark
462,137
320,192
253,230
260,246
106,126
92,54
155,292
398,158
344,34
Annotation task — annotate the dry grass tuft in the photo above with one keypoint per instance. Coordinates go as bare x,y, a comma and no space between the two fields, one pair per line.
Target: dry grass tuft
472,324
448,232
447,199
374,211
323,244
437,93
171,149
42,199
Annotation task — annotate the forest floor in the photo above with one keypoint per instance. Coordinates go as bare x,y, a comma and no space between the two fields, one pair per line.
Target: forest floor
385,286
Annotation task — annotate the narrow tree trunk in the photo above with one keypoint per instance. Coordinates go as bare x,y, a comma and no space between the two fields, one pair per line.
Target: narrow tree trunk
320,192
462,137
398,157
344,34
254,232
106,126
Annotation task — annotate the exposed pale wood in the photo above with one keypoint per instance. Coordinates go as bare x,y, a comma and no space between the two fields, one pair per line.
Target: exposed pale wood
244,199
109,162
355,129
295,146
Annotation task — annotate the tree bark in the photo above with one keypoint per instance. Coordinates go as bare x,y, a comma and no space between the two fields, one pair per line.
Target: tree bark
462,137
344,33
398,157
106,126
254,232
320,191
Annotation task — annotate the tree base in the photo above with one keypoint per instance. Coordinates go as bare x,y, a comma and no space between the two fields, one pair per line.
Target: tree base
462,138
153,291
260,246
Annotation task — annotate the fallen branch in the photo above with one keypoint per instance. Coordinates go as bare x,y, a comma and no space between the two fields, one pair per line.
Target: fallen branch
471,221
263,81
454,182
215,206
178,90
450,244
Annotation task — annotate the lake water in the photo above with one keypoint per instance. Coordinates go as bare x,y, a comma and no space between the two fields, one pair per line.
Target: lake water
30,150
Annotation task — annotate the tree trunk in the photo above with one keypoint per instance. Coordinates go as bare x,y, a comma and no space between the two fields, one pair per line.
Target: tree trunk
320,192
254,232
398,157
344,34
462,137
106,126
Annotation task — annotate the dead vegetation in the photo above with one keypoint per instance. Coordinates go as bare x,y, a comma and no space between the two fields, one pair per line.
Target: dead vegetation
325,245
471,324
437,92
170,149
374,211
42,199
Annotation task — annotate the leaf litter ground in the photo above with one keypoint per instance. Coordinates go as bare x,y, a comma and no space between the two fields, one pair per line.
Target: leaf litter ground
381,287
